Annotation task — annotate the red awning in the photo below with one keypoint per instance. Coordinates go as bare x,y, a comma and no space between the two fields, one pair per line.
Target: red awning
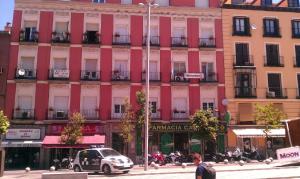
85,142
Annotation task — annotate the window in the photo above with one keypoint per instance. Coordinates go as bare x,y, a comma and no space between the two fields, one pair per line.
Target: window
27,63
61,102
25,102
60,64
119,108
99,1
61,27
297,57
271,28
293,3
274,86
202,3
242,57
153,105
266,2
162,2
272,56
179,67
208,105
180,105
296,28
241,26
91,65
126,1
29,32
208,71
298,86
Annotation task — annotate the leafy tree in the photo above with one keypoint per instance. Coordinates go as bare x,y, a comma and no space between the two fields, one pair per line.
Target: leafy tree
4,125
270,116
205,124
126,123
140,119
72,133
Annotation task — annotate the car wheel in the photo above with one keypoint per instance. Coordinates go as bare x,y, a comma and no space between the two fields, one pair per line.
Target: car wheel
77,169
126,171
106,169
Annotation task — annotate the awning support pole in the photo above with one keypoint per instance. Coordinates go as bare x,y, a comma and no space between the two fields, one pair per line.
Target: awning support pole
288,131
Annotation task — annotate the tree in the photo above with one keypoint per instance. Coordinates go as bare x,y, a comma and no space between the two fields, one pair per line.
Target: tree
4,125
205,124
126,123
270,116
72,133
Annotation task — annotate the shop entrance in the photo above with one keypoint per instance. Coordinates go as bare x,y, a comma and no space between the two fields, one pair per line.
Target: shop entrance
19,158
181,142
118,143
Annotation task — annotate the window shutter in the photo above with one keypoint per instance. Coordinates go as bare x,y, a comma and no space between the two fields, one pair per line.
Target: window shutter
265,26
277,32
234,25
247,26
293,28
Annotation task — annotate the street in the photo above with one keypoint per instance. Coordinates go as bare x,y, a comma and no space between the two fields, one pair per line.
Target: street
231,171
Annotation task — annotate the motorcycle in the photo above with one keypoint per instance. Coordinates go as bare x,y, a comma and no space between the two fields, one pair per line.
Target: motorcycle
156,157
253,155
65,163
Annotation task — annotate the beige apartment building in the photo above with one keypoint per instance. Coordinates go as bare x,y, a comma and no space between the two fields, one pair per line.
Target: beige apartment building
262,60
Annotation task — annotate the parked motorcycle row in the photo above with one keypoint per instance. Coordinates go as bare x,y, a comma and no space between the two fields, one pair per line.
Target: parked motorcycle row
65,163
174,157
237,155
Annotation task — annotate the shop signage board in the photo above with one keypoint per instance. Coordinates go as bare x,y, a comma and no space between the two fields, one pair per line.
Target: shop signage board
194,75
288,154
23,134
174,127
60,73
87,129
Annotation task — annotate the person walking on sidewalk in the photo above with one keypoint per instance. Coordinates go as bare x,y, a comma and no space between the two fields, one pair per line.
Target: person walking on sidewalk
203,171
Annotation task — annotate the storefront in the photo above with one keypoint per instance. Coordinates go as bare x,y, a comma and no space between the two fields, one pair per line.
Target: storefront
181,137
93,136
23,147
250,138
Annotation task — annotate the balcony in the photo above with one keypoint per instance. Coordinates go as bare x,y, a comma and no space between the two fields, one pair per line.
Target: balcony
116,116
58,114
276,93
179,41
155,116
90,114
59,74
153,76
29,36
210,77
154,41
23,114
22,73
243,61
61,37
245,92
296,61
180,115
273,61
91,37
121,40
120,76
179,77
87,75
207,42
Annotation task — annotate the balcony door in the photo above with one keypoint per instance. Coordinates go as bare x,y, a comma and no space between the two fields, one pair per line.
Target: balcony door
244,84
153,75
242,54
27,65
30,28
61,103
90,69
25,102
208,70
272,55
89,106
180,107
60,64
274,83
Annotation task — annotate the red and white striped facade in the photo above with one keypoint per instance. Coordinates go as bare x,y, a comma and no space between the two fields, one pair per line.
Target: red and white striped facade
197,24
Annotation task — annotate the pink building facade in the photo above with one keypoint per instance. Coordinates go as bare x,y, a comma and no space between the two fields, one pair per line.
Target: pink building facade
87,56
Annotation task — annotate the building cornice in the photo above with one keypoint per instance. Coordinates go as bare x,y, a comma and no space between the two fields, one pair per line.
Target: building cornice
42,5
261,8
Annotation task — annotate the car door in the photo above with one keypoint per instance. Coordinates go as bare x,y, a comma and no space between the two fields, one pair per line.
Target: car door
94,160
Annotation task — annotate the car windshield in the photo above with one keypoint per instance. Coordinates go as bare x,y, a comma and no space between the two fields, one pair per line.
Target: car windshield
109,152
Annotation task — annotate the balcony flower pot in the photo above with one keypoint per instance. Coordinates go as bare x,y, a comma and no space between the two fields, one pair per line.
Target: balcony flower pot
51,109
117,35
175,111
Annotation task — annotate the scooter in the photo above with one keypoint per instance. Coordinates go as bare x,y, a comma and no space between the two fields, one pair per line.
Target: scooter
253,155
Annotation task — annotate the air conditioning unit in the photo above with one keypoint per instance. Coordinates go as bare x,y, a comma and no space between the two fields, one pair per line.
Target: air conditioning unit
179,78
271,94
60,114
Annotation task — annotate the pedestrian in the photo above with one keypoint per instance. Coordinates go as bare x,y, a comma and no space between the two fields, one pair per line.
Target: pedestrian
203,171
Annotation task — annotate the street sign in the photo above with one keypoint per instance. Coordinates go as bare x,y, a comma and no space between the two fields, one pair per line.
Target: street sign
194,75
288,154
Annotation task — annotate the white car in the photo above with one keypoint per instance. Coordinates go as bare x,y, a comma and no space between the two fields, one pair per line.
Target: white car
105,160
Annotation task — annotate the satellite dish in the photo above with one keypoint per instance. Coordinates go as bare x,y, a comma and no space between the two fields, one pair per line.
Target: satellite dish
253,26
21,72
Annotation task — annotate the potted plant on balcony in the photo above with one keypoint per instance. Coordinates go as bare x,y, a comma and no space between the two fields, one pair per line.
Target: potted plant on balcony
175,110
117,34
51,109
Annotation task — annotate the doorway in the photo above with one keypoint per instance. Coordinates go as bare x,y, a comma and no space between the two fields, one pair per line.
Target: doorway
118,143
181,142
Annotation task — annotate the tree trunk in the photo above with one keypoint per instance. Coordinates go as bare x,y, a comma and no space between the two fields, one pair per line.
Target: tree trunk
2,157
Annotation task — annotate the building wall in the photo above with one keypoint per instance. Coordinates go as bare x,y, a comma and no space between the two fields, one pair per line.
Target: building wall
4,60
257,49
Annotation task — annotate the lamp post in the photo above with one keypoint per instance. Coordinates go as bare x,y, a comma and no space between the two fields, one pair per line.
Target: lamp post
148,4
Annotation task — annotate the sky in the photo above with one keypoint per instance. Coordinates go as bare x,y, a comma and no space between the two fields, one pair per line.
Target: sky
6,12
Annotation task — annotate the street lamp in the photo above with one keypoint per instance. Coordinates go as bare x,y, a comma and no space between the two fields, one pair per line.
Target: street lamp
148,4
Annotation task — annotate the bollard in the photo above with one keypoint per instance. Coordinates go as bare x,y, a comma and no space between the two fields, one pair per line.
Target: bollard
152,164
268,161
226,161
183,165
156,166
241,162
27,169
271,159
52,168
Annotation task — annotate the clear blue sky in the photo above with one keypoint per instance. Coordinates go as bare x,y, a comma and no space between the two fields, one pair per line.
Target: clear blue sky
6,12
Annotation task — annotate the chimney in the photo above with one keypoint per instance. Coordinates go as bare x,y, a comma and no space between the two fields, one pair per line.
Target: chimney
7,27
